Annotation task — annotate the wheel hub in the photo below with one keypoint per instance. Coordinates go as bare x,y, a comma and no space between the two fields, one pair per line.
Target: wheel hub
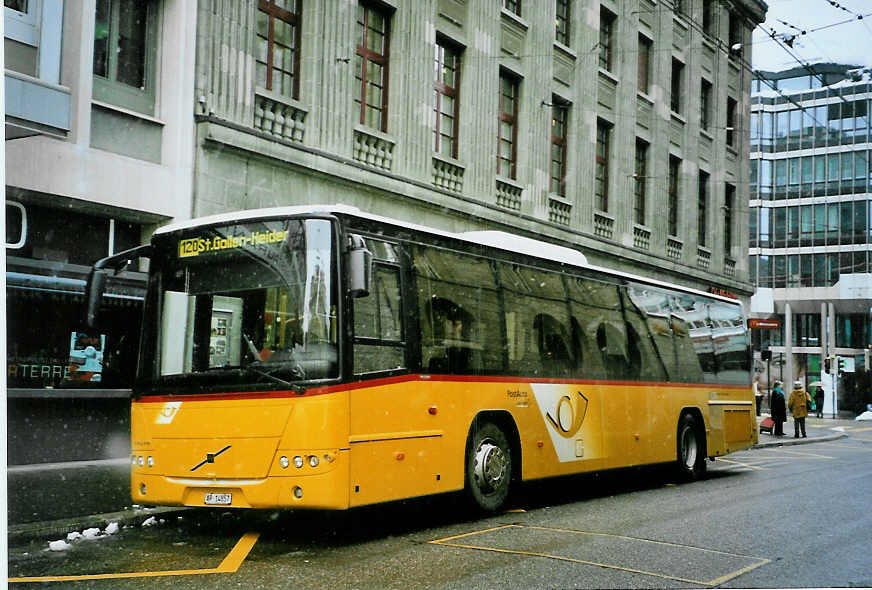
490,466
688,447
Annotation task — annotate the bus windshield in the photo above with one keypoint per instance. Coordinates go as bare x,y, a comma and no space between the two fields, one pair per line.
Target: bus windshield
249,302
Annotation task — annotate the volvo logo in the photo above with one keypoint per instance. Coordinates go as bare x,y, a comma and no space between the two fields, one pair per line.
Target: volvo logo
210,458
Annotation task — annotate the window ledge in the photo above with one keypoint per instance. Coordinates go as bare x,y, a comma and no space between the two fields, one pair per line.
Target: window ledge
287,100
510,182
569,52
609,76
517,20
128,112
363,129
646,97
448,160
678,118
705,133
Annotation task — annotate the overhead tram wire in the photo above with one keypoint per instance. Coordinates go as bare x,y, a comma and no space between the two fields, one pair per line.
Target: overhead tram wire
856,15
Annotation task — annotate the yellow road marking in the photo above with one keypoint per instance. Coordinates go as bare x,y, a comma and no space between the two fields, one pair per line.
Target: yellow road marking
726,577
807,454
867,428
229,565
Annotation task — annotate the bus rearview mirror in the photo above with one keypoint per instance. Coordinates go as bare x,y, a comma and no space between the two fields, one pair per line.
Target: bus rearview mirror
359,268
94,294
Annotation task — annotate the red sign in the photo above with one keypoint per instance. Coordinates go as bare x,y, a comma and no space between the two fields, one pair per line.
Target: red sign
722,292
758,324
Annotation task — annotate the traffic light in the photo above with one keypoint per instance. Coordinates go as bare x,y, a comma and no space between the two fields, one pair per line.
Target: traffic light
827,365
841,365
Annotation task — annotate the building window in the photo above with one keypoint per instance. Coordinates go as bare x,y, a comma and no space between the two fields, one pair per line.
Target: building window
20,19
371,67
705,104
125,41
278,42
606,39
559,119
673,196
735,33
644,66
729,203
446,87
561,22
508,125
676,86
707,16
513,6
601,177
702,219
731,122
640,181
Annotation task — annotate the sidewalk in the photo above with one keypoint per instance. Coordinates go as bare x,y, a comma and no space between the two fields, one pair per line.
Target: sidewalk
817,429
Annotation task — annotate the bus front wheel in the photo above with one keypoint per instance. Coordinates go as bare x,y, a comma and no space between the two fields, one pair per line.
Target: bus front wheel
488,467
691,448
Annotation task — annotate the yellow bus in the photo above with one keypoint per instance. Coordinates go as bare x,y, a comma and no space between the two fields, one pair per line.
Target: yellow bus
322,357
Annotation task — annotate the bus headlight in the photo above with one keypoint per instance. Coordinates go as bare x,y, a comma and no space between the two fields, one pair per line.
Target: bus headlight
150,461
284,462
298,492
313,461
298,462
140,460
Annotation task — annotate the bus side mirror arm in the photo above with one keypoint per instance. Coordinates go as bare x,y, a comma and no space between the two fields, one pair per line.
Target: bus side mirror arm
359,267
97,278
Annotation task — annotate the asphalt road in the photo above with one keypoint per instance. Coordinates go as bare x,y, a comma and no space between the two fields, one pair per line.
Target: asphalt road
791,516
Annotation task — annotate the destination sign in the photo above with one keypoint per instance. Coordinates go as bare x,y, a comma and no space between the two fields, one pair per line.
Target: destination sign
196,246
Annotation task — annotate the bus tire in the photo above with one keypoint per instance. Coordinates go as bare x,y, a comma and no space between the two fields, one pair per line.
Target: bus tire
691,451
488,467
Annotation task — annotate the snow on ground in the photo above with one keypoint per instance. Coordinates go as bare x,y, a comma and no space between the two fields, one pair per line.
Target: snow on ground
89,534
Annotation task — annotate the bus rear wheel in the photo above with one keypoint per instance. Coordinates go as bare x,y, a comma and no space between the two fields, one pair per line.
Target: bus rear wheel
488,467
690,449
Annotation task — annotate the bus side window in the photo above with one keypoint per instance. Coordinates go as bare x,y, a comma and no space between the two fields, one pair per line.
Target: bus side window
553,342
459,312
646,361
378,324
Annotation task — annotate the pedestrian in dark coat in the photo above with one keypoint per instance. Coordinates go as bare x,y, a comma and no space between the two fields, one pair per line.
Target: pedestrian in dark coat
778,409
819,401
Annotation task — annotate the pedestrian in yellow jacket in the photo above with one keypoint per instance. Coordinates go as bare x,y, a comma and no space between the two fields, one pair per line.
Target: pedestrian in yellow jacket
798,404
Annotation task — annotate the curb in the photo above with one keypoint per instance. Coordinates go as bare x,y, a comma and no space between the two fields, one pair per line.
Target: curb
58,529
799,441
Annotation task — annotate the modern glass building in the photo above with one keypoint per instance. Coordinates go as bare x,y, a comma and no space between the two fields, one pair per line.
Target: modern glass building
810,216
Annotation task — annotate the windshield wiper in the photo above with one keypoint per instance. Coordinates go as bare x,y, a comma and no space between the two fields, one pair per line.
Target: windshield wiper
296,387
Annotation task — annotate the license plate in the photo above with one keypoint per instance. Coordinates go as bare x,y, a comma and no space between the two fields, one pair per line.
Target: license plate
218,499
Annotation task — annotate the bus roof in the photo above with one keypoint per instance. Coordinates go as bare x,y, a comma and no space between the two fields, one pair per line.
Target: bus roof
490,238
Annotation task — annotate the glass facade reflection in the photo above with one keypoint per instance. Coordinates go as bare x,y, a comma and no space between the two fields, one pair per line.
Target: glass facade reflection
810,214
